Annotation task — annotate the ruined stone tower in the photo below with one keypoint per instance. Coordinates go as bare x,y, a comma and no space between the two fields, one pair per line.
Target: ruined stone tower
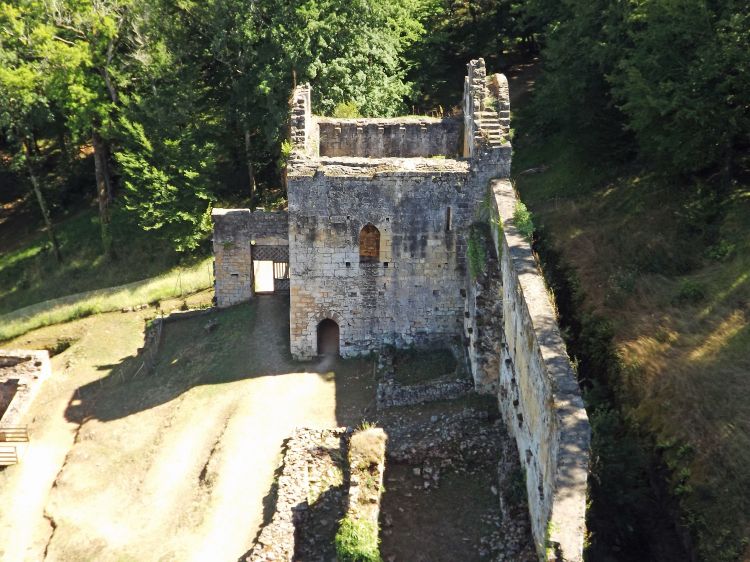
378,215
373,252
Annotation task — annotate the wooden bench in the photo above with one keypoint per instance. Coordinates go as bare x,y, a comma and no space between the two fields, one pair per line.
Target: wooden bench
8,456
14,434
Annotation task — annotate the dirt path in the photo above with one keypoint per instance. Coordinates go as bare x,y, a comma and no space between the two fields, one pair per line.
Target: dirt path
173,465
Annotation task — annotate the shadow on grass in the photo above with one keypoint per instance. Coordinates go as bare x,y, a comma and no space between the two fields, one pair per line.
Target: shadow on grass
246,341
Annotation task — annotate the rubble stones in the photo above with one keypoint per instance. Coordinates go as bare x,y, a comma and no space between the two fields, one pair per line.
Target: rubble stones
306,480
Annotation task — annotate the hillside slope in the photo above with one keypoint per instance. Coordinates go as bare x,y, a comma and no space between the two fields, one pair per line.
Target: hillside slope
653,287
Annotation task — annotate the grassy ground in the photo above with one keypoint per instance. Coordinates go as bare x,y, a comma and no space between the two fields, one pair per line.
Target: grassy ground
414,366
36,291
665,270
176,283
29,273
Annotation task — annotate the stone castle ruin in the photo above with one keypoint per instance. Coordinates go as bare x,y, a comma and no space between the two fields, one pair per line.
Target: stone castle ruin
376,249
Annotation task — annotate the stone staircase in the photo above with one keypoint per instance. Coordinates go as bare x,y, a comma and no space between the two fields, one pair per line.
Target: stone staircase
491,128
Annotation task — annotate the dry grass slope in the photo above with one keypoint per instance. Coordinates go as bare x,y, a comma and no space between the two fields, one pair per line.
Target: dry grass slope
672,276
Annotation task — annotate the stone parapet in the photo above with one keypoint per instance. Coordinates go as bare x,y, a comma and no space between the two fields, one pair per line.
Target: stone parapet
539,396
403,137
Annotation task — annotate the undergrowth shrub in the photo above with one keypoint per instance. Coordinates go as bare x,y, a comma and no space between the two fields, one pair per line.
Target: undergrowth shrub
690,292
357,541
523,220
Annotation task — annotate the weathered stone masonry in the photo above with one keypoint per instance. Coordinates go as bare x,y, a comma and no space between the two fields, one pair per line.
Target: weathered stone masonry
238,234
422,207
538,393
354,179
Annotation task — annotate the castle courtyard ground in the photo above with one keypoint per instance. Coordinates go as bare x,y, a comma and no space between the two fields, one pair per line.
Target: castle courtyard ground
179,462
175,464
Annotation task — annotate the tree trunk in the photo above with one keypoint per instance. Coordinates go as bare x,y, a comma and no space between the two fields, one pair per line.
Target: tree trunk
107,170
250,171
40,199
102,191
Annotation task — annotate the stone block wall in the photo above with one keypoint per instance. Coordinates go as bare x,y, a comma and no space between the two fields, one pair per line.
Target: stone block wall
413,293
384,138
539,395
422,207
303,131
483,320
236,231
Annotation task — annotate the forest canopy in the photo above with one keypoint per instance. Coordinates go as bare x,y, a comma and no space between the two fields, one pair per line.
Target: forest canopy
184,103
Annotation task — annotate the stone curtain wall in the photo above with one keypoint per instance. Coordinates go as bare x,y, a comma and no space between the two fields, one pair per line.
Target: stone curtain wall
539,395
235,230
400,137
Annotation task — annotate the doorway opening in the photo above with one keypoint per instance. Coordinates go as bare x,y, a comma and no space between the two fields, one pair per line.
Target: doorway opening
328,337
263,275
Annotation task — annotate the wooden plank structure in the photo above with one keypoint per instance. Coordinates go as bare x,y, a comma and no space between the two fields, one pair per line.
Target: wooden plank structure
8,434
8,456
18,434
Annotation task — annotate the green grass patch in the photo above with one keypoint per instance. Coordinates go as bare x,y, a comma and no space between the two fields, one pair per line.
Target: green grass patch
414,366
178,282
358,541
30,275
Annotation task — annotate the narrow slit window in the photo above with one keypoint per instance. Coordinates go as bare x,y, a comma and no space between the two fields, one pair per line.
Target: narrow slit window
369,244
447,219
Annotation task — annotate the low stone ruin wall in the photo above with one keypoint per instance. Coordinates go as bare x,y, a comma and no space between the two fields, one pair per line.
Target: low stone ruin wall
392,394
367,468
539,395
388,138
277,540
22,372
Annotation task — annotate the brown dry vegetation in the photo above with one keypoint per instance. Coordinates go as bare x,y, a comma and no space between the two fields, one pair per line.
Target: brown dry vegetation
672,278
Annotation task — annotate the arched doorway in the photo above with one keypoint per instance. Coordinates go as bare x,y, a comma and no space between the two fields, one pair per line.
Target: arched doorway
328,337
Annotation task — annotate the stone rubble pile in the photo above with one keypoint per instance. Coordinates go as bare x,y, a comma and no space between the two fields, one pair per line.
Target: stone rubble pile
307,475
468,442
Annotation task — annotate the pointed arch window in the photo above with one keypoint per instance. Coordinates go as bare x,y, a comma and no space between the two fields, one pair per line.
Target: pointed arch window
369,244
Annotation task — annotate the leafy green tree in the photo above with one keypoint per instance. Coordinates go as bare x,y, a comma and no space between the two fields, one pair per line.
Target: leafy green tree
581,49
168,129
349,51
684,83
87,91
24,87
